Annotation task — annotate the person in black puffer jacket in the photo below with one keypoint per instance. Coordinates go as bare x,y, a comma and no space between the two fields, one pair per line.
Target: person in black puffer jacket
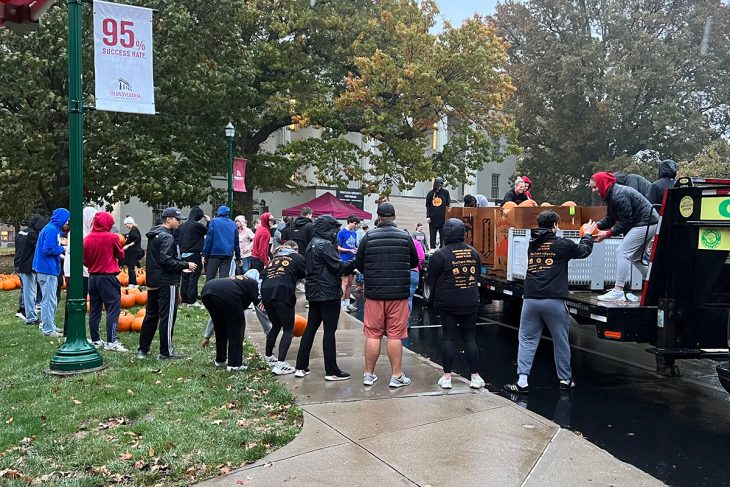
323,289
386,256
667,175
164,267
636,181
630,214
192,237
453,274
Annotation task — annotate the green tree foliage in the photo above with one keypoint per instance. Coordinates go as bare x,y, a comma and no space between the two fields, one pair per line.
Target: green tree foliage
600,80
339,66
712,162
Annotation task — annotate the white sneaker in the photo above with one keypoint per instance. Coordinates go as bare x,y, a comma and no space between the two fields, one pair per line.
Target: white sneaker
20,315
220,364
614,295
197,304
282,368
632,297
114,347
54,334
369,379
477,382
97,343
445,382
237,369
271,360
301,373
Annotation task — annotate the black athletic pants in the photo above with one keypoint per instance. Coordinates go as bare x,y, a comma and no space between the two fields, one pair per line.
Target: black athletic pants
453,326
162,311
189,285
104,290
281,315
217,266
432,231
319,312
229,324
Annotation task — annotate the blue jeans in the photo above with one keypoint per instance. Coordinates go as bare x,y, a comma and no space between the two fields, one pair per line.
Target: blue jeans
49,303
29,291
246,264
415,277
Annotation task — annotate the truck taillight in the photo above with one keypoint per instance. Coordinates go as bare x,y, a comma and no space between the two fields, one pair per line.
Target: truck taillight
614,335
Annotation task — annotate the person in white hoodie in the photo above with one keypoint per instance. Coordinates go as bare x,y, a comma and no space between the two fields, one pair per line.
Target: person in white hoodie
88,214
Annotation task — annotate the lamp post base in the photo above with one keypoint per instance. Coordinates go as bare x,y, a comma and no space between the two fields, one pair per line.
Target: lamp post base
75,358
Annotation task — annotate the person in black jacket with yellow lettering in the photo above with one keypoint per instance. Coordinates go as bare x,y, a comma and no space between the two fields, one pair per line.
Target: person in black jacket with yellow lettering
278,290
453,274
546,287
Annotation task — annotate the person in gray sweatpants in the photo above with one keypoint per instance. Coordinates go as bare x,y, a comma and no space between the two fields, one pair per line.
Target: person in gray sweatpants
546,287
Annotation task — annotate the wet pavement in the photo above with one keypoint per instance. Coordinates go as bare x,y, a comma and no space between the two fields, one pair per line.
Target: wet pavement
676,429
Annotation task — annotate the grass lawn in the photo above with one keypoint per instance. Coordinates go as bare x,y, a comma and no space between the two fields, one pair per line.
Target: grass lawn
137,422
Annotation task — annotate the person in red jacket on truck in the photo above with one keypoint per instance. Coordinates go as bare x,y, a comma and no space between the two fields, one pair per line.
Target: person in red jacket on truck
261,241
102,253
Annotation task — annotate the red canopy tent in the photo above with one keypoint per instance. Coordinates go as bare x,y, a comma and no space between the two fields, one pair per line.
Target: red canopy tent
328,204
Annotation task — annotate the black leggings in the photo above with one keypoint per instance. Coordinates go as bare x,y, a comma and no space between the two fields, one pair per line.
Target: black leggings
319,312
229,323
432,229
282,318
454,325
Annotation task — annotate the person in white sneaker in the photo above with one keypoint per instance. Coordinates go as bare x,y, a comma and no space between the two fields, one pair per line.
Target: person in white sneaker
629,213
278,294
347,247
453,275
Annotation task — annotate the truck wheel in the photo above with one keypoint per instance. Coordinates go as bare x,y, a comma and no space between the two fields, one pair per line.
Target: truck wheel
667,367
426,293
723,373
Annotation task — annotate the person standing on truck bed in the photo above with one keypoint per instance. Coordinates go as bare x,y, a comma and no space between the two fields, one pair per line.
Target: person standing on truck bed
546,288
437,201
629,213
517,194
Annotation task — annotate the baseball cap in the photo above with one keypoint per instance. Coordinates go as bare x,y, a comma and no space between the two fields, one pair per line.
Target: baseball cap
223,210
386,209
172,212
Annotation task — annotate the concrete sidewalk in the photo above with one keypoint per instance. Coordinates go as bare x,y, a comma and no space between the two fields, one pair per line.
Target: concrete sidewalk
419,435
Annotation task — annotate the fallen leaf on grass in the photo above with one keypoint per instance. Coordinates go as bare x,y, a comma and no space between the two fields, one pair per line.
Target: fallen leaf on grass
151,452
125,456
158,382
10,420
76,401
217,422
130,392
224,470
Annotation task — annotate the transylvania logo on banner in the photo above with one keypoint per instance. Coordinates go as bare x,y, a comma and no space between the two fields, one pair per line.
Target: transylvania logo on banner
123,58
239,174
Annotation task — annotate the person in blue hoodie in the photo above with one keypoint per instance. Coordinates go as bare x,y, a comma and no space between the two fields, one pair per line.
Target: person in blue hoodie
220,245
47,266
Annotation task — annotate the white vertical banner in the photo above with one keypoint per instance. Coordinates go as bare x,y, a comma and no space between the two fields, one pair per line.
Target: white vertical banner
123,58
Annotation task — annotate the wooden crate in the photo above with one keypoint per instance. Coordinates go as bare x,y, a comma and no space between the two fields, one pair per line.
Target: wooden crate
480,225
595,213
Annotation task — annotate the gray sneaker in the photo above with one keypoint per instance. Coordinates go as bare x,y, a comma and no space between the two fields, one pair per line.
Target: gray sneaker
54,334
613,296
399,381
369,379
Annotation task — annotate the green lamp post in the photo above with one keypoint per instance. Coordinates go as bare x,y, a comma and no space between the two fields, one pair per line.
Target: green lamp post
76,355
230,134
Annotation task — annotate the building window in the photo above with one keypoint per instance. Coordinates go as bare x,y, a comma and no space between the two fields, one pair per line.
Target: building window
157,213
495,186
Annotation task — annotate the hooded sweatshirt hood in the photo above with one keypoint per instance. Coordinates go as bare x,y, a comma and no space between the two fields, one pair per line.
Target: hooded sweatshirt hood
326,227
89,214
60,217
195,213
266,220
300,221
668,169
604,181
454,231
33,221
40,223
527,180
539,236
103,222
620,177
482,201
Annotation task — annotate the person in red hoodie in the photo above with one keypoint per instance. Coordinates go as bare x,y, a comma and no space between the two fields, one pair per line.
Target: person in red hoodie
102,253
261,241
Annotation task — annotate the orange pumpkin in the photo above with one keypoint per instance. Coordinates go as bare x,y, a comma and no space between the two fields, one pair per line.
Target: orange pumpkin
141,313
131,291
16,278
8,284
141,277
137,324
569,203
124,323
127,301
546,204
300,324
122,240
508,206
583,230
528,203
123,278
141,298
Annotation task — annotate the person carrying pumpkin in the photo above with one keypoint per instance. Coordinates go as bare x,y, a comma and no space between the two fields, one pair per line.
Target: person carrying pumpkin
278,295
437,202
102,253
132,250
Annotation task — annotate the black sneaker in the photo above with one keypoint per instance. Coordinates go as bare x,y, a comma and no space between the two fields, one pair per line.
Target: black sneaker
174,356
141,355
338,376
33,323
567,385
516,388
